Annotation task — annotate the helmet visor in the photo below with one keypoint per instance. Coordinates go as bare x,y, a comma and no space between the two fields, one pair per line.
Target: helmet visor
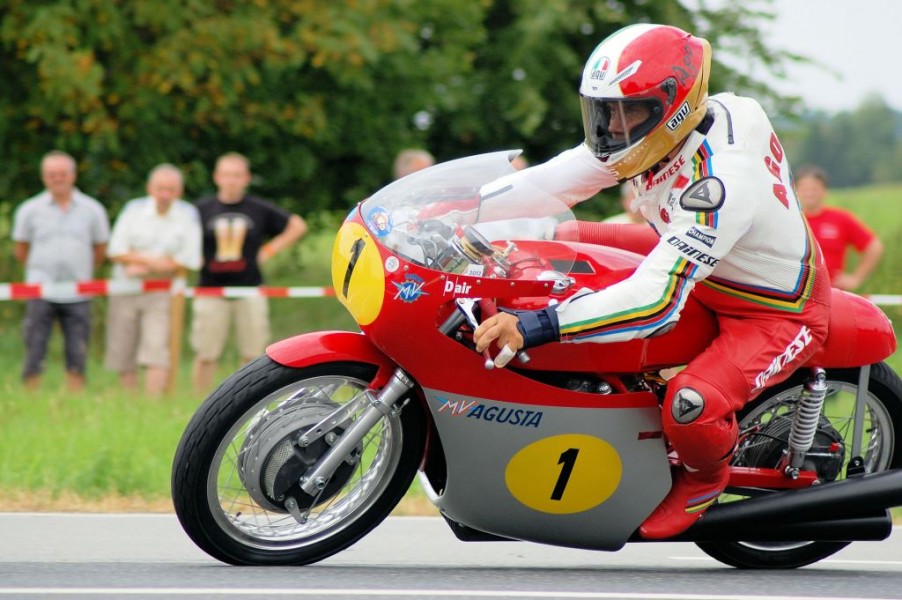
614,124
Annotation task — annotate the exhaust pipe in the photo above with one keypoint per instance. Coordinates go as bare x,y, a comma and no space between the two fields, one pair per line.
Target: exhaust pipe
857,529
848,510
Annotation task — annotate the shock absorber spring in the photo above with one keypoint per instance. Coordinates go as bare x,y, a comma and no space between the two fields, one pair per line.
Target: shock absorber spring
805,420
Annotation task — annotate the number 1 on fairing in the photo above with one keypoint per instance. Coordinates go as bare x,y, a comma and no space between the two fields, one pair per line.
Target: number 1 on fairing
356,250
568,459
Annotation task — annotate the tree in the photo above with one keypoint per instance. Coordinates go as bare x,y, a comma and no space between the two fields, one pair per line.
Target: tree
855,147
320,94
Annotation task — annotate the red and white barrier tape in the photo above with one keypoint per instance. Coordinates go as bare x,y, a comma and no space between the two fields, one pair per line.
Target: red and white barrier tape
131,287
885,299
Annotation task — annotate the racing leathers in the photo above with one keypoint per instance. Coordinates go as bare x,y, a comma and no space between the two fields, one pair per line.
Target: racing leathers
730,227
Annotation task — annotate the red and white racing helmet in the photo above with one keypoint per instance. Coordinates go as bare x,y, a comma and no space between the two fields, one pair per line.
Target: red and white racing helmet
644,89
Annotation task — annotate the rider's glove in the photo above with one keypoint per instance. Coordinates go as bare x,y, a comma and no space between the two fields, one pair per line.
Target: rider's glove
537,326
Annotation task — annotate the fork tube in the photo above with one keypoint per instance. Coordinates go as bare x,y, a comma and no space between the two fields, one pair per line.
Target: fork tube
379,406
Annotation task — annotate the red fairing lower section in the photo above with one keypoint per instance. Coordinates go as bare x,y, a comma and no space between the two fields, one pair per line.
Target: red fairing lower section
859,334
327,346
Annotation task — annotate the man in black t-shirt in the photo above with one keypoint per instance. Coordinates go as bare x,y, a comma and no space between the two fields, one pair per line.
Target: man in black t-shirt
240,232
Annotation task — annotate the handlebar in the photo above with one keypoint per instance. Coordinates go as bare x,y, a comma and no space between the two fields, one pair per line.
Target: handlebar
466,314
488,308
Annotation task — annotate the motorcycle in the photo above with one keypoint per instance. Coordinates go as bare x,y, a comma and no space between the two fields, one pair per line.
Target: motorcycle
302,452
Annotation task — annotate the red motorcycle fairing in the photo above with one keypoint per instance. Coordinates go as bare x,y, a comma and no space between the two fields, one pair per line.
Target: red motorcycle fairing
859,334
319,347
433,355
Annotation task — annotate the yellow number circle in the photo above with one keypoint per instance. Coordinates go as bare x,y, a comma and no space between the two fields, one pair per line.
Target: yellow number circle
358,276
564,474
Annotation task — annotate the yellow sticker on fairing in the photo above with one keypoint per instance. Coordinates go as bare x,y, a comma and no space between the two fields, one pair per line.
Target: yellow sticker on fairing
358,276
564,474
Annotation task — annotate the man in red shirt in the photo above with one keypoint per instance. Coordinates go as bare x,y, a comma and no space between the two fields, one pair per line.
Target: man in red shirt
835,230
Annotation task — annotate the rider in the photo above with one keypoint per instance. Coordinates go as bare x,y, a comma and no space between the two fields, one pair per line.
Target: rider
714,182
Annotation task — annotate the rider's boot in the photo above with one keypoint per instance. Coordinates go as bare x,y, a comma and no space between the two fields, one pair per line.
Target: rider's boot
692,492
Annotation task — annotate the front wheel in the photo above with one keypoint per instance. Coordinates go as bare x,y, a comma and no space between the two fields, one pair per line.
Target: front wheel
763,430
237,467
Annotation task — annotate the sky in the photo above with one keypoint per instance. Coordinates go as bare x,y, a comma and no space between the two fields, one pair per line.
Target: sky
857,42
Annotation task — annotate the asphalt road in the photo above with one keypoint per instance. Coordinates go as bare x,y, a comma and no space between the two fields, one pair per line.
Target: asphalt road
148,556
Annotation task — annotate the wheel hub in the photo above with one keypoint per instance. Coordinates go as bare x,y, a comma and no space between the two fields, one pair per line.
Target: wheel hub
271,462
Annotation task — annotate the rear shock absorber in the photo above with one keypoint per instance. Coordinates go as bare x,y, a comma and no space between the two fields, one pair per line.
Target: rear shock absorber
805,420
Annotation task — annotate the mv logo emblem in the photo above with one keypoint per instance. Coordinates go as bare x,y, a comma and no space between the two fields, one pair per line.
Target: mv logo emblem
455,408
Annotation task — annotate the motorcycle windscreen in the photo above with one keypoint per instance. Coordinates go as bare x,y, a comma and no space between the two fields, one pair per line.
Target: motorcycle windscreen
450,216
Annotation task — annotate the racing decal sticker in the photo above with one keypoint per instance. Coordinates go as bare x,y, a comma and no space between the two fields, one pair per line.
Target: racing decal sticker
665,216
564,474
632,68
379,221
411,289
358,275
494,414
795,347
679,117
392,264
705,195
686,406
474,270
600,68
666,172
694,254
457,288
707,240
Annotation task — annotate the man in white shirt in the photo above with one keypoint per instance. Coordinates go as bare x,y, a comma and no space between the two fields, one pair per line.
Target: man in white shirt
156,236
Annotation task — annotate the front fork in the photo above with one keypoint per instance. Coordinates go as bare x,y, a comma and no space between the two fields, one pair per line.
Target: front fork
377,406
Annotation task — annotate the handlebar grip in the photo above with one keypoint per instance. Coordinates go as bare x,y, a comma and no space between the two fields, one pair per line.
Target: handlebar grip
488,308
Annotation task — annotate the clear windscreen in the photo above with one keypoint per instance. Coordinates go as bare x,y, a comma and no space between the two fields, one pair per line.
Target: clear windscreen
463,215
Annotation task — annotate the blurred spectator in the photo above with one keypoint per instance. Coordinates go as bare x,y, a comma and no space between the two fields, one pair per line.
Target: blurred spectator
236,226
157,236
627,193
835,230
60,235
410,161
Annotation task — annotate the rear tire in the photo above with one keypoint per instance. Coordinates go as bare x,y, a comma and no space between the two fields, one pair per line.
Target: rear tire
880,451
232,520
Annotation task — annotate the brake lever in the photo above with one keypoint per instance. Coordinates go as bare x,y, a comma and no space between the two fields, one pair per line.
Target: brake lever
465,306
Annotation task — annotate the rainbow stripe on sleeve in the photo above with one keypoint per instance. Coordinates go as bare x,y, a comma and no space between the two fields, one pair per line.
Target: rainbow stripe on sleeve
648,317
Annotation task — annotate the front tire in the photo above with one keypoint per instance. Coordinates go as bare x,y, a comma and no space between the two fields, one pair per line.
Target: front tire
773,411
228,506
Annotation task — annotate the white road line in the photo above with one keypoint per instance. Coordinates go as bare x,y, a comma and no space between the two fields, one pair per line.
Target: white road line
429,593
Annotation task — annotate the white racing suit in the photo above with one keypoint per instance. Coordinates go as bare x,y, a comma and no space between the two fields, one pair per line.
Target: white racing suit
729,221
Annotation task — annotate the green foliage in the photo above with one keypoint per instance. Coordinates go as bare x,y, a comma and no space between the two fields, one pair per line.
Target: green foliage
320,94
297,85
855,147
